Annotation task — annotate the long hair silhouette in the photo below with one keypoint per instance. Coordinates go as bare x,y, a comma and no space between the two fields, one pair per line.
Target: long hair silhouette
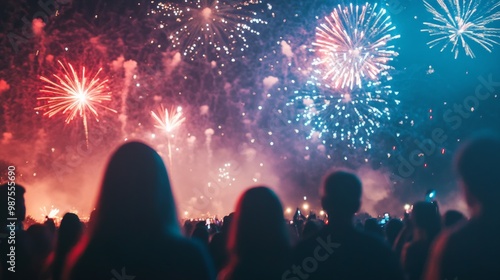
259,241
135,231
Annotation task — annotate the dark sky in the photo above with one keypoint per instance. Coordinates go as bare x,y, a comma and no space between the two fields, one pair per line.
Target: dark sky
431,83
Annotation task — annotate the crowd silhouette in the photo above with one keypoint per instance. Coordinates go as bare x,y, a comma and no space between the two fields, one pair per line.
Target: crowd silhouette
134,231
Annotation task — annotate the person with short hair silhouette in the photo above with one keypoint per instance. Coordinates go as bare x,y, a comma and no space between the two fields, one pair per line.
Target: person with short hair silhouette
472,250
218,244
339,250
426,224
68,235
392,230
372,227
453,218
201,234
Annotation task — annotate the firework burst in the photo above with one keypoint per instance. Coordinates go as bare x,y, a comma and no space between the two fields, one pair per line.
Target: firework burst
350,116
353,45
224,175
168,122
210,26
75,95
349,95
51,214
458,21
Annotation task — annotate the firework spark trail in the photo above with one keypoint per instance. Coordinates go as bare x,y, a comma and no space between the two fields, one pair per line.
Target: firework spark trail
460,21
353,45
168,122
75,95
130,67
210,25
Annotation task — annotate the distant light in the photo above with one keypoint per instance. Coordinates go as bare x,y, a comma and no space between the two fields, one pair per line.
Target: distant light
322,212
305,197
289,210
305,206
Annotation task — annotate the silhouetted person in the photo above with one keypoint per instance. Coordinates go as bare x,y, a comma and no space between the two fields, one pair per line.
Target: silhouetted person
358,225
392,230
258,242
452,218
294,234
200,233
23,259
188,228
311,227
136,231
404,236
472,251
299,221
69,234
218,244
426,222
50,224
91,219
372,227
339,251
298,216
311,216
41,245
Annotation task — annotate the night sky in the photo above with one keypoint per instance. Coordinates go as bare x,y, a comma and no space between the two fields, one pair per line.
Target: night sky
432,86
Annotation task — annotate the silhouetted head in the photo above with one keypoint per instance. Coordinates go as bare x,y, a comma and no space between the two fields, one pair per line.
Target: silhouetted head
478,166
201,234
312,216
69,232
226,222
341,194
135,196
16,192
201,224
392,229
452,217
91,219
41,238
50,224
372,226
311,228
258,229
425,217
188,228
